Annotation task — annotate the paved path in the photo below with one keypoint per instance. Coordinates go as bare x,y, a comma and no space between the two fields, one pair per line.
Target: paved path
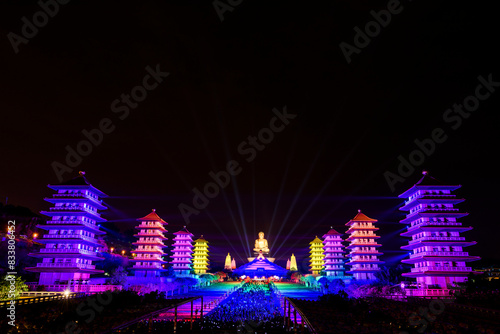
297,291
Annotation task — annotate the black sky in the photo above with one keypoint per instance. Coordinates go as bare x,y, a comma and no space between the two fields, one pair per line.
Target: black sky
353,120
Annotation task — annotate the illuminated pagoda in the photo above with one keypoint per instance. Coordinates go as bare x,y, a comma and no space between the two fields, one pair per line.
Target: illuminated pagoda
293,263
334,253
183,248
436,246
316,256
287,264
233,264
227,263
149,248
200,256
363,256
70,244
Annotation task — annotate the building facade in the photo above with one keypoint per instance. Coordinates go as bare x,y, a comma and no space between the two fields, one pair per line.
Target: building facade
363,247
182,252
71,245
149,261
200,256
316,256
436,246
334,253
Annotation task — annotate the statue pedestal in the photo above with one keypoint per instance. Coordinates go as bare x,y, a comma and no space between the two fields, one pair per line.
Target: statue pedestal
271,259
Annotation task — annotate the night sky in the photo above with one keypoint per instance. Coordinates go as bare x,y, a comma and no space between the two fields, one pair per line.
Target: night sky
348,122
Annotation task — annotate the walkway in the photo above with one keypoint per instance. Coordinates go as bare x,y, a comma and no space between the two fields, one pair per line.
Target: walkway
212,295
299,291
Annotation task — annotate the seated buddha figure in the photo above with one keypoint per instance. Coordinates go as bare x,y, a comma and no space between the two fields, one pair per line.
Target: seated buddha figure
261,244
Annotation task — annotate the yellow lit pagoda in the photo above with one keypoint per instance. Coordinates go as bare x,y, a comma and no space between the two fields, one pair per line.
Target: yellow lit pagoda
200,256
316,256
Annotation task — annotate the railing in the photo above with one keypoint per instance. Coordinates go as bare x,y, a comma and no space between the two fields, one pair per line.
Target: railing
67,250
150,225
74,208
305,323
79,196
74,288
429,268
151,315
72,222
428,292
65,265
428,238
69,236
439,254
36,300
436,224
430,196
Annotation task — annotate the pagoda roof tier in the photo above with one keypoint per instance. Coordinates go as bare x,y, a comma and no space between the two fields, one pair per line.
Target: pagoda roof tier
431,199
431,213
65,269
148,251
68,239
332,232
159,228
362,252
70,225
149,260
427,182
419,229
75,198
150,235
201,240
181,260
71,253
351,246
362,270
153,216
360,217
183,231
68,211
360,228
316,241
146,268
352,262
185,256
79,182
354,237
438,271
149,243
416,259
438,243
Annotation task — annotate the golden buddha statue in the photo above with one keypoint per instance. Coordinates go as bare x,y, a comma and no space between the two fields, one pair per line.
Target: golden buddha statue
261,244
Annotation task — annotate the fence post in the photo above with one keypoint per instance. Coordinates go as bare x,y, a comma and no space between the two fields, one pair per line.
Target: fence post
191,326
